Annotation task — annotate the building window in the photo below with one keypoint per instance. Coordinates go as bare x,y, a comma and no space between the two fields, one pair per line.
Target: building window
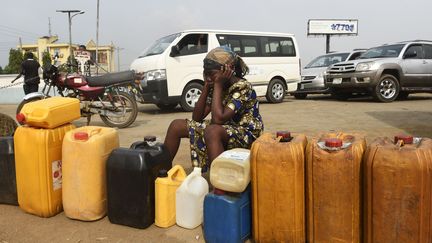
102,57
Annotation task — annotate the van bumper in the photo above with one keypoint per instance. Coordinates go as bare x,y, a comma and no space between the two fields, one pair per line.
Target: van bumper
156,92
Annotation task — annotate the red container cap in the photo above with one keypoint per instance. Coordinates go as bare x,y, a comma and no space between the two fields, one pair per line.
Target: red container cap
405,138
20,117
218,191
83,136
333,142
286,136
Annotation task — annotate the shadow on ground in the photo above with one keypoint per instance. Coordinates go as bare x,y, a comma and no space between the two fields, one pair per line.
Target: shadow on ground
417,123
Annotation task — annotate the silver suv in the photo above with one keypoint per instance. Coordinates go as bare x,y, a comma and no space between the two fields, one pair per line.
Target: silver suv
386,72
312,75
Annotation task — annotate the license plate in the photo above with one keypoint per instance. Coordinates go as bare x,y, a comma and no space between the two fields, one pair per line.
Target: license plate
337,80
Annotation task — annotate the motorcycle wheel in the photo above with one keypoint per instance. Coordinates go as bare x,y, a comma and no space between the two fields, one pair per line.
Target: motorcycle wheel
125,110
20,106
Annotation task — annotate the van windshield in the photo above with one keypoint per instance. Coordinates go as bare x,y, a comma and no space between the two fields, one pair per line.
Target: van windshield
383,51
159,46
327,60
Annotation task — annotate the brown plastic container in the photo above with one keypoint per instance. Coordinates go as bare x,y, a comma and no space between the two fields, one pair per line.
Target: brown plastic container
277,170
397,195
333,187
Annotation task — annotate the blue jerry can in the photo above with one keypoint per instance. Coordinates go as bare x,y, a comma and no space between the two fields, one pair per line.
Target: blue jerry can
227,216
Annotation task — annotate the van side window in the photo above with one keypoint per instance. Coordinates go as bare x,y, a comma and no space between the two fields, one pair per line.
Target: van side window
245,46
255,46
193,44
277,46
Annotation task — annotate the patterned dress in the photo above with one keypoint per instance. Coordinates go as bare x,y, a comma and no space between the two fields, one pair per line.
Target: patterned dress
243,128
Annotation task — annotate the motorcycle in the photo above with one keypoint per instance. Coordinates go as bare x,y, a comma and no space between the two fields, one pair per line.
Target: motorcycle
100,95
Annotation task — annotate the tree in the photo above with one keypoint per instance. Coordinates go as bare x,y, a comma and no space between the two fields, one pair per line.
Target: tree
46,59
15,60
1,70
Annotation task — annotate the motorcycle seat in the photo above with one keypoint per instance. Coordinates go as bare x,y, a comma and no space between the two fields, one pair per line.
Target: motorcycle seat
111,79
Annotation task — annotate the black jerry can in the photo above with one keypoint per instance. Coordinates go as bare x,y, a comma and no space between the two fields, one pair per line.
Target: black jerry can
131,175
8,189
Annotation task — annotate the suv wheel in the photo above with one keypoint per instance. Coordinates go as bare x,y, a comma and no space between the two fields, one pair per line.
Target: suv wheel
276,91
190,96
387,89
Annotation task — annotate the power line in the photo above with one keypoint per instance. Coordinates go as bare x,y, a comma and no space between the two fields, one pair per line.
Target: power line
18,30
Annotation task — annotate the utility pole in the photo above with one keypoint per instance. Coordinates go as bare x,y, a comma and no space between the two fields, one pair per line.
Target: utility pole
49,27
20,43
118,57
70,25
97,38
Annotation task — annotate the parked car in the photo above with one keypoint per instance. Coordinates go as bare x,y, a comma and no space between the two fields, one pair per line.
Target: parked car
386,72
312,75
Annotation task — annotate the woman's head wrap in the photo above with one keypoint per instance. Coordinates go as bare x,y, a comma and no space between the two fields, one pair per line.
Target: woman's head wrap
220,56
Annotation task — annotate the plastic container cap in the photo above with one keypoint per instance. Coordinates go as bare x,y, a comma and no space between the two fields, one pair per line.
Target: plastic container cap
20,117
83,136
163,173
286,136
150,138
405,138
333,142
218,192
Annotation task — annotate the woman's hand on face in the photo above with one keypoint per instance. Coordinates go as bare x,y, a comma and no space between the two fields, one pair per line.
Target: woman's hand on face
223,75
208,82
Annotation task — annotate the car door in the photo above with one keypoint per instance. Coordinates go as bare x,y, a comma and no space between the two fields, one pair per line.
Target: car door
428,64
413,66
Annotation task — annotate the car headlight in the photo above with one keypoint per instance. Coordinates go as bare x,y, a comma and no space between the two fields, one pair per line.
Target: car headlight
158,74
364,66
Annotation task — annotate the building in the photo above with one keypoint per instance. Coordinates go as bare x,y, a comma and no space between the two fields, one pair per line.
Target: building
49,43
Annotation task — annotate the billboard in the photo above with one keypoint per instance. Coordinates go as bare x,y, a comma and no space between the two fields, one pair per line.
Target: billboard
332,27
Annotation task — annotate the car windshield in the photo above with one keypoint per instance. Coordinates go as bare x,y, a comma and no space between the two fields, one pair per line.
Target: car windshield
159,46
327,60
383,51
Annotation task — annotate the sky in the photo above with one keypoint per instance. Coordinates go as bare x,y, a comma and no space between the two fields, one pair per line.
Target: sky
133,25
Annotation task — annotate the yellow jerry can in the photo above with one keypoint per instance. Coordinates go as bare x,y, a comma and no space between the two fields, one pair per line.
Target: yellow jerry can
165,194
38,164
85,152
50,113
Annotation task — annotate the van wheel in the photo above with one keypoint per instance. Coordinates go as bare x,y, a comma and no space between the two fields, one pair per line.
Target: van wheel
276,91
190,96
387,89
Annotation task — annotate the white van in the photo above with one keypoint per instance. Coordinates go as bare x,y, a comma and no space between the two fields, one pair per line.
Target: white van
173,65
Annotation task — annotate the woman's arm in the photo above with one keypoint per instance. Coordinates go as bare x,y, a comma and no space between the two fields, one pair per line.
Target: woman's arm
221,114
202,109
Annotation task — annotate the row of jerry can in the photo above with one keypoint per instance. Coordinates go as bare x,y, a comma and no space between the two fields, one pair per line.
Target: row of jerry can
334,188
84,172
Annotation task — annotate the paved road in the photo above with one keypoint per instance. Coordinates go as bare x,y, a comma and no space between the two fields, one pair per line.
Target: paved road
311,116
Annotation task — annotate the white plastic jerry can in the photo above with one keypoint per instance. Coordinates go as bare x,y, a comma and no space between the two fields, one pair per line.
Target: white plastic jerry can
190,200
230,171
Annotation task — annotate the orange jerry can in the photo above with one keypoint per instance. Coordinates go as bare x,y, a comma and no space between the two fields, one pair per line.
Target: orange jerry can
398,190
277,178
85,152
38,162
50,113
333,165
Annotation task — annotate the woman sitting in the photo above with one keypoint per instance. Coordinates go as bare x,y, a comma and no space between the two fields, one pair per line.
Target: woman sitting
235,119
